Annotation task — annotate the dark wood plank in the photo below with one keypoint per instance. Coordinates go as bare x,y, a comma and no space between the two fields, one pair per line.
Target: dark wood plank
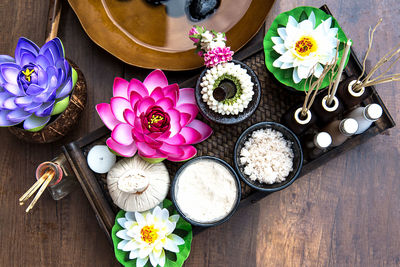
345,213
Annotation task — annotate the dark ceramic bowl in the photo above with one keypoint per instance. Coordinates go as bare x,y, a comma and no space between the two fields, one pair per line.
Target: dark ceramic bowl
229,119
297,160
238,194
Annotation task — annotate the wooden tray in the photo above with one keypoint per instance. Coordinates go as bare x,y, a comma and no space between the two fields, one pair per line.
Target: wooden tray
275,101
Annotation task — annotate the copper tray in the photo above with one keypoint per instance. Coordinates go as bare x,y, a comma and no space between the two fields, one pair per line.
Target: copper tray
146,36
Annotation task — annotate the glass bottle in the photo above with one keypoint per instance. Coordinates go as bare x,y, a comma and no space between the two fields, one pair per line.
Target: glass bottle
341,130
64,181
365,116
326,113
316,144
348,96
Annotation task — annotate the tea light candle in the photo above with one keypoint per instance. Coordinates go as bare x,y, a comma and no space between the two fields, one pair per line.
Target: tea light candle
100,159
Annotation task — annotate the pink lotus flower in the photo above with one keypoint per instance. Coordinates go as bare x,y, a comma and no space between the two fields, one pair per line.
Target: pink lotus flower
153,118
217,55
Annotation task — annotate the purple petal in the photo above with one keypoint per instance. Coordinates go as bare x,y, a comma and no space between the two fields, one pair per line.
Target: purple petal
52,80
23,101
138,87
33,107
52,50
118,106
34,89
64,90
172,92
3,97
25,45
155,79
120,87
26,58
190,109
9,72
42,77
144,105
34,122
157,94
106,115
189,152
186,96
171,150
10,103
4,122
122,134
202,128
18,115
165,103
14,89
191,135
6,58
176,140
42,61
145,150
47,95
45,109
125,151
129,117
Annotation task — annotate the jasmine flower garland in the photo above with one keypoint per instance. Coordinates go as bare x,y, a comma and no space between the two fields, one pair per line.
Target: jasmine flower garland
242,81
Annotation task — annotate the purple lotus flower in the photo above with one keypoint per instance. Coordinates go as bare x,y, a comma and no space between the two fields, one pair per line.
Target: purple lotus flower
34,85
153,118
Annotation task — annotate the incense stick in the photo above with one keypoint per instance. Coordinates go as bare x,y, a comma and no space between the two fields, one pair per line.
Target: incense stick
40,192
339,72
34,187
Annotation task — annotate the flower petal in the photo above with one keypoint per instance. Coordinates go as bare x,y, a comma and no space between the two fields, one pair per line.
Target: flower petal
172,92
170,245
140,219
277,40
190,152
140,262
134,254
145,150
120,87
162,259
296,77
125,151
64,89
106,115
9,72
42,61
122,244
4,121
118,106
191,135
18,115
155,79
130,216
52,50
122,134
202,128
177,239
27,58
175,117
123,234
34,122
186,96
157,94
143,105
129,117
4,96
170,150
190,109
45,109
138,87
10,103
165,103
6,58
25,44
176,140
153,259
122,221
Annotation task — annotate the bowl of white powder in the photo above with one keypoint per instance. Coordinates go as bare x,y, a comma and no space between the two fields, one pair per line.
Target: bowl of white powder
268,156
206,191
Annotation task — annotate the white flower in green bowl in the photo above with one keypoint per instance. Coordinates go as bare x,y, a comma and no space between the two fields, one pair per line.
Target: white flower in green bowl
305,47
147,235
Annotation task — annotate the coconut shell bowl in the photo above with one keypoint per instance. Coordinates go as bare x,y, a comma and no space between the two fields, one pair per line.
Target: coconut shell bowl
60,124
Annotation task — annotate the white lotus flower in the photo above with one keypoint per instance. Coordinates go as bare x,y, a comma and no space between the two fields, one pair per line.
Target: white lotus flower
305,48
146,235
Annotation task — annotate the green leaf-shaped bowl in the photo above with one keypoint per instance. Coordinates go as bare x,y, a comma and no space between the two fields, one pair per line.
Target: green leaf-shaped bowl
183,229
300,13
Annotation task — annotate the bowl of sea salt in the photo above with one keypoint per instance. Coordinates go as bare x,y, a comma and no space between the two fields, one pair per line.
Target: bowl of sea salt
206,191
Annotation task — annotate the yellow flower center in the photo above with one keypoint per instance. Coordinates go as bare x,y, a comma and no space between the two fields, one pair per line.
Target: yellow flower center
155,119
149,234
305,46
28,74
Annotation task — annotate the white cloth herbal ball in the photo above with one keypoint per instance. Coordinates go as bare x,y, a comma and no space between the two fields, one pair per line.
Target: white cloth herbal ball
136,185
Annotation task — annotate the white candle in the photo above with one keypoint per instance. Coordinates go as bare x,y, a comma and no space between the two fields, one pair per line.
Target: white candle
340,70
100,159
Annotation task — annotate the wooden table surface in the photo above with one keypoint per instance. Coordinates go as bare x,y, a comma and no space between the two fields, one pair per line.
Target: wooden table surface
345,213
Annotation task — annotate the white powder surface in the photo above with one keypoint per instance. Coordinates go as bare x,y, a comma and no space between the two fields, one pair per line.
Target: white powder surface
267,156
206,191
